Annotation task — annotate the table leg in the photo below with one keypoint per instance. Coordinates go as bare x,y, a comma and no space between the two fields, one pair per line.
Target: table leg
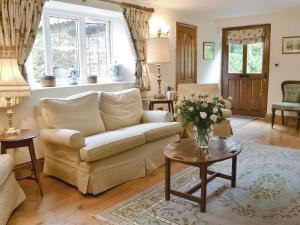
34,165
3,148
234,164
151,106
203,176
169,108
167,180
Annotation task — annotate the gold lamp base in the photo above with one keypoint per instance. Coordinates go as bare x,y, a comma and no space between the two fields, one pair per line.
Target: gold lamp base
159,95
11,130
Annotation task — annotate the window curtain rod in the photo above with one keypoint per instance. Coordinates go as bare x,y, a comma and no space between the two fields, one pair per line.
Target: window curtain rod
125,4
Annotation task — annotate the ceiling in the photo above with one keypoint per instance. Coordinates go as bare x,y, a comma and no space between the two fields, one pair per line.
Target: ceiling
223,8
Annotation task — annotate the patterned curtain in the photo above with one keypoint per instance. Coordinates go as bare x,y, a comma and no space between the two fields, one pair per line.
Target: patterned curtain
137,19
19,22
247,36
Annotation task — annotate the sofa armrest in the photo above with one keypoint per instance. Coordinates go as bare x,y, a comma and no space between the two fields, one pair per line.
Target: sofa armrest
156,116
69,138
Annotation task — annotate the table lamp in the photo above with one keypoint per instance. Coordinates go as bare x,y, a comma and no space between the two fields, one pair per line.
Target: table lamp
13,88
157,53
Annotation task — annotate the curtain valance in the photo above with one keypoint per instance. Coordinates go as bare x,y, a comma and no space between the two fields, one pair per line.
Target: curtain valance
246,36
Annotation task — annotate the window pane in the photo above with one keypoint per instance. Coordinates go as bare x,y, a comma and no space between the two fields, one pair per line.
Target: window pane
96,47
36,66
255,58
235,62
64,45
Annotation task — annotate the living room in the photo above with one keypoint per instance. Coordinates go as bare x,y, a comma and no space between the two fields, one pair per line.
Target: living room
104,104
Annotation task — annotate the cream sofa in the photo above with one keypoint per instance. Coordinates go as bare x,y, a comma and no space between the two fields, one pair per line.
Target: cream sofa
97,140
11,194
222,129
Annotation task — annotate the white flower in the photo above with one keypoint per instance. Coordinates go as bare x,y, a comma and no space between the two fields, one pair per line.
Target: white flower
178,111
178,104
229,98
214,117
191,109
220,98
203,115
215,110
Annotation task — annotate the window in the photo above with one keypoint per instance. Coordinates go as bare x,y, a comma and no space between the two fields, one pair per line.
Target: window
72,41
254,58
235,62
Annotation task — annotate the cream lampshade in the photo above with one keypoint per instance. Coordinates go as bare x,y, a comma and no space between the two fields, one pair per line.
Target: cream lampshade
157,53
13,88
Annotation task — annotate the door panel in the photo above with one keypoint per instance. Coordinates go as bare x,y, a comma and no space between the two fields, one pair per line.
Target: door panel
186,53
245,73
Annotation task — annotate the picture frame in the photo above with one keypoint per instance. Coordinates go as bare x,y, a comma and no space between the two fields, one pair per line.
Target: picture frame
291,45
208,50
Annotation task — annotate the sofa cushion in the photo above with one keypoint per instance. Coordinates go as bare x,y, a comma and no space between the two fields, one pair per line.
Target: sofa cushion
121,109
110,143
6,166
79,113
155,131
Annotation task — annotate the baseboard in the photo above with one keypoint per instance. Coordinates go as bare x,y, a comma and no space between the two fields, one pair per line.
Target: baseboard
28,165
289,120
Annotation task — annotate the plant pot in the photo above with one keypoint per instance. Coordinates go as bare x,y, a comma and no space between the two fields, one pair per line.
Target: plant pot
48,81
92,79
203,136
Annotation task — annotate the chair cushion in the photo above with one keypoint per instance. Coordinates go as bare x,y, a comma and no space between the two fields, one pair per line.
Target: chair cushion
79,113
155,131
6,166
226,113
286,106
292,93
121,109
109,143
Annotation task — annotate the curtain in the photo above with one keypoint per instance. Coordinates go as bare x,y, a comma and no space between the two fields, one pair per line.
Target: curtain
19,23
247,36
137,19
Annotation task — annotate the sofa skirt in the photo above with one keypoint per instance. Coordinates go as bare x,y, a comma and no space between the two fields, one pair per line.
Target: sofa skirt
11,195
99,176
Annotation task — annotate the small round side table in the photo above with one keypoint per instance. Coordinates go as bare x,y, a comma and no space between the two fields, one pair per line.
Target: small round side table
23,139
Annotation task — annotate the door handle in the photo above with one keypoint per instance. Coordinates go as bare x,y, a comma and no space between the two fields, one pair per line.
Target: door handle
266,76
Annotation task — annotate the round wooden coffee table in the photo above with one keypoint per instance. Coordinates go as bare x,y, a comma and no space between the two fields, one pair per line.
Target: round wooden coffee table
187,152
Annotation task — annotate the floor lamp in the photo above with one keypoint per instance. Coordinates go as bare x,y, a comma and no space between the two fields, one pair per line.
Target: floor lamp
157,53
13,87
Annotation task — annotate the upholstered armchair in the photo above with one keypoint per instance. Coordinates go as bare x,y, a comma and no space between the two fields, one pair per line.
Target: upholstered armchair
290,102
11,194
222,129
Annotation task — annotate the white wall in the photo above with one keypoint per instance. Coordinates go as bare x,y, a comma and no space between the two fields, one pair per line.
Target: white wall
286,23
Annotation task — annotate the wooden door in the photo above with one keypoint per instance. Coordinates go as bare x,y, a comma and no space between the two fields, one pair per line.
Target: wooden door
245,73
186,53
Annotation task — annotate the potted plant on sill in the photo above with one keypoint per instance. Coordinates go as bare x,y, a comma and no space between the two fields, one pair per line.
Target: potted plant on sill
202,113
93,79
48,81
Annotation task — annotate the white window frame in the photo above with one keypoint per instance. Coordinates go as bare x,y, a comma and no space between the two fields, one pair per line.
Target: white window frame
81,17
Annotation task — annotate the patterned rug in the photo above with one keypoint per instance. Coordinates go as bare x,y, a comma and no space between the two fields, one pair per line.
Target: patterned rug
267,192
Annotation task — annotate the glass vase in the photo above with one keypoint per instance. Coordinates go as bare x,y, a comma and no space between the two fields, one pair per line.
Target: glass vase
203,136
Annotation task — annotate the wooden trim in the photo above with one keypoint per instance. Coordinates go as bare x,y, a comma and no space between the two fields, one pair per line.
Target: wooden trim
28,165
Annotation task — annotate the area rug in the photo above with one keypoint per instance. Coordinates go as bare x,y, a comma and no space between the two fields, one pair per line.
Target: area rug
238,121
267,192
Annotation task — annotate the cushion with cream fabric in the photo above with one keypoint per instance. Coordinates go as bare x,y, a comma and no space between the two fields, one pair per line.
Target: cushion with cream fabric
109,143
6,166
79,113
155,131
121,109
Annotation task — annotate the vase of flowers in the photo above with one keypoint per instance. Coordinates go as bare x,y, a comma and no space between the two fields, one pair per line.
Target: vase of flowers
202,113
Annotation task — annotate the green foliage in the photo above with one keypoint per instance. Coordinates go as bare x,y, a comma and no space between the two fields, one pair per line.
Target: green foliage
199,111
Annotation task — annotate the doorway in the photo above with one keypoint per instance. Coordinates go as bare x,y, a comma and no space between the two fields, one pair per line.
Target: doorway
245,68
186,53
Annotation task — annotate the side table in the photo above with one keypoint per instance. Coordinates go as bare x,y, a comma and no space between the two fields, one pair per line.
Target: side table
23,139
153,101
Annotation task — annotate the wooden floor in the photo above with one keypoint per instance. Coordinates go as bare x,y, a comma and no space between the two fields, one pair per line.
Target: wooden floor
64,205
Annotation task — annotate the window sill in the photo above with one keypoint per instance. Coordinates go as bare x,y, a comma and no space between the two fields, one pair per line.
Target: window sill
37,87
